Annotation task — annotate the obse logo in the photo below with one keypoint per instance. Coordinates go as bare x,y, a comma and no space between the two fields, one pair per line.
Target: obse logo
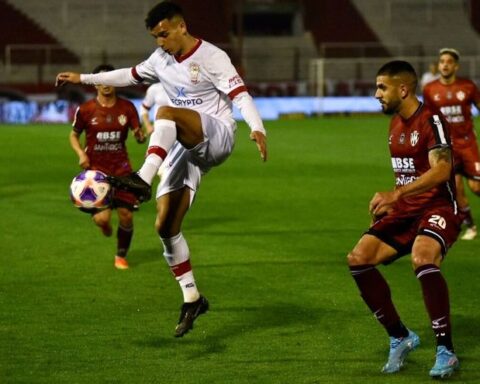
403,164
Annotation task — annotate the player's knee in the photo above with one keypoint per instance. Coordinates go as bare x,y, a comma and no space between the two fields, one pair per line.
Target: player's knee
356,257
126,220
474,186
163,229
165,112
423,254
101,221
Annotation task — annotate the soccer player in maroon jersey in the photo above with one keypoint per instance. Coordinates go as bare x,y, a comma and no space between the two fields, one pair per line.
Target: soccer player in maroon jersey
418,217
453,97
106,120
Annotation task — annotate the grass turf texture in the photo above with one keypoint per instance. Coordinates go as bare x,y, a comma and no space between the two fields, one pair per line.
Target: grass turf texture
268,244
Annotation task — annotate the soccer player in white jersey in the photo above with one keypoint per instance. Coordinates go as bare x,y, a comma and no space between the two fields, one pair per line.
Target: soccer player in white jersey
154,97
193,135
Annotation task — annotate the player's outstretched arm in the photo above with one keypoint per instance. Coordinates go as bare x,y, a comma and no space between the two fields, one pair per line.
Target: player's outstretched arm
118,78
67,77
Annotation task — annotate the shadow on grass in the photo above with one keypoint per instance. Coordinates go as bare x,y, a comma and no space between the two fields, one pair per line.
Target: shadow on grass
237,321
146,256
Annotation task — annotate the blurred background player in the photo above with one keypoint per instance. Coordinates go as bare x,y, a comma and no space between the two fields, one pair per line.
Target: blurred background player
106,120
418,217
429,76
190,138
453,97
154,97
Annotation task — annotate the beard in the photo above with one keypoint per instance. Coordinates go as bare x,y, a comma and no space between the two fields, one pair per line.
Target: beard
390,108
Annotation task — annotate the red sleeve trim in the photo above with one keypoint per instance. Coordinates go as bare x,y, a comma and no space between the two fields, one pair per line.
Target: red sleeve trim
135,75
236,91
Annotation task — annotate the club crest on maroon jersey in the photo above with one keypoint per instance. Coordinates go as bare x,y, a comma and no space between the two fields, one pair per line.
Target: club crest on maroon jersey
460,95
122,119
414,137
401,140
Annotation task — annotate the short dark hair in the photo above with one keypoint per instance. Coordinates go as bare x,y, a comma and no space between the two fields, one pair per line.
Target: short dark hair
400,68
103,68
164,10
396,67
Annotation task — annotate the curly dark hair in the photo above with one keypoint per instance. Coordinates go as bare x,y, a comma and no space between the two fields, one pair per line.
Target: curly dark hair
161,11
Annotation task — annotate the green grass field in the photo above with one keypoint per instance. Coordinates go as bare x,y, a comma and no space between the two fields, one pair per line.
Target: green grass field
268,244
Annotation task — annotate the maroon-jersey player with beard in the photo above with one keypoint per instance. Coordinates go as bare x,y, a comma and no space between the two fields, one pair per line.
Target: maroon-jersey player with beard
106,120
418,217
453,97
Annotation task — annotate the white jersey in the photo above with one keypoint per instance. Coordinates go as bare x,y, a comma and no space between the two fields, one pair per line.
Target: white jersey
203,79
155,95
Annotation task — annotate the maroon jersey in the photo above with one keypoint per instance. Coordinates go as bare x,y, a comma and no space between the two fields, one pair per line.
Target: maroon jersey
410,142
455,101
106,130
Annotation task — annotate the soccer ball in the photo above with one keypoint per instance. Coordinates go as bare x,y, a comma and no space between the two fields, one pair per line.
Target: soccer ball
90,190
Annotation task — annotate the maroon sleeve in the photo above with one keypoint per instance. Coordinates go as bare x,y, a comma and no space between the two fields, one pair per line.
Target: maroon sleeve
79,122
133,116
426,96
476,95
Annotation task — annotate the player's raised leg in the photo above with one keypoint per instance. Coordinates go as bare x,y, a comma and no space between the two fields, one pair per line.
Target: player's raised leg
172,208
171,124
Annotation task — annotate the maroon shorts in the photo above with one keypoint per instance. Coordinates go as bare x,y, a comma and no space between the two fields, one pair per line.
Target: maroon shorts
399,230
467,160
124,199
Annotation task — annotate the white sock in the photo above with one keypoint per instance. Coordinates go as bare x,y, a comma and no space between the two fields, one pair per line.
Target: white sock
189,288
162,138
177,255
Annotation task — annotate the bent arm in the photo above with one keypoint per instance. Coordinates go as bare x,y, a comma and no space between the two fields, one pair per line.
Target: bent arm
440,160
145,116
83,159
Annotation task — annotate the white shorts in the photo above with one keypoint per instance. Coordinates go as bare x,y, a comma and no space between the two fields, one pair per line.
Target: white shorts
185,167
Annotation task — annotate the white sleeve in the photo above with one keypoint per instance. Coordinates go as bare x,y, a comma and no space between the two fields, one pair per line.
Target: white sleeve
244,102
117,78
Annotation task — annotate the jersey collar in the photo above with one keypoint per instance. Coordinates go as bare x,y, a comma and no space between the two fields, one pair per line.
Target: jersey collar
181,58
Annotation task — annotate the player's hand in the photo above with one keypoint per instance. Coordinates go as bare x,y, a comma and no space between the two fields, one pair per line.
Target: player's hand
140,136
84,161
261,141
67,77
382,202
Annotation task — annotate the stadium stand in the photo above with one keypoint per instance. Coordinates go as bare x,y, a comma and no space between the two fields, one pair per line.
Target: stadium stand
279,49
422,26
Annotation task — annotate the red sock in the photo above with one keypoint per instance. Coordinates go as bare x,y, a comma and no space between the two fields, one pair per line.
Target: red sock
124,238
376,294
435,296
